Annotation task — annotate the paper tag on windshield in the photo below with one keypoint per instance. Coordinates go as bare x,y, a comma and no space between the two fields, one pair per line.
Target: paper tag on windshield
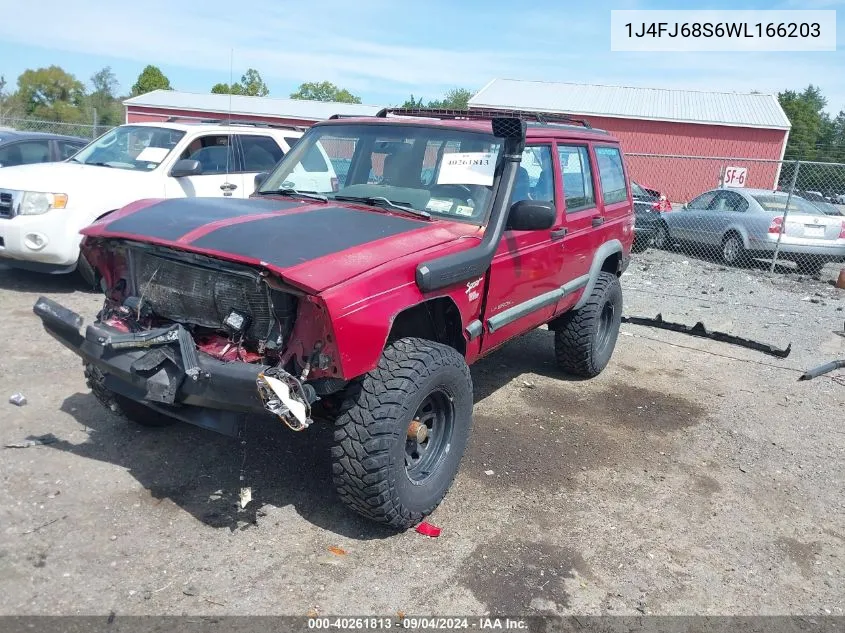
467,168
439,206
152,154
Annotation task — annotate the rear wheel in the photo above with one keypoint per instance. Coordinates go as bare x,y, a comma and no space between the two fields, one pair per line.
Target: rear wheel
733,250
662,239
585,338
121,405
402,431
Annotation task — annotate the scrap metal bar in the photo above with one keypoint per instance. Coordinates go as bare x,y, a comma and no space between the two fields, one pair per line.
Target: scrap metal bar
822,369
701,331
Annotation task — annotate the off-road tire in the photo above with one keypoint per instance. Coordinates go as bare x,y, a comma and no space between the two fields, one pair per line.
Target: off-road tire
585,338
371,432
121,405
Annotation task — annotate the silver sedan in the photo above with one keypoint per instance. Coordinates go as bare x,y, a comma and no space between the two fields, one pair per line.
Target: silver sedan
745,223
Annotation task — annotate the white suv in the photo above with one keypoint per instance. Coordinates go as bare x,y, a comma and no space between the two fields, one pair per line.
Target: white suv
44,206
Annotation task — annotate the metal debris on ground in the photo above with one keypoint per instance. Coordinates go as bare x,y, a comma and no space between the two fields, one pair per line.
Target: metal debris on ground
427,529
701,331
17,399
822,369
34,441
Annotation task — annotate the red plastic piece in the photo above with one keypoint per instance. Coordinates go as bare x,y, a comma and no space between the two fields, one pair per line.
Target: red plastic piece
427,529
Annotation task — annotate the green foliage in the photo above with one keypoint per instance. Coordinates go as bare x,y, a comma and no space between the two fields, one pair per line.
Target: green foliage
51,94
104,100
455,99
250,84
151,78
324,91
413,103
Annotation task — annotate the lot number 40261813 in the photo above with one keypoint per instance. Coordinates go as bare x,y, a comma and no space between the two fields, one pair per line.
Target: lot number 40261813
735,176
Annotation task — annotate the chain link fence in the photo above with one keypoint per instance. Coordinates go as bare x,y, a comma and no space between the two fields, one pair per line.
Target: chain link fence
742,212
81,130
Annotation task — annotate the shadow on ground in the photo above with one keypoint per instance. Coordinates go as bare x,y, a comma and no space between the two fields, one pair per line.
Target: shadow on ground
43,283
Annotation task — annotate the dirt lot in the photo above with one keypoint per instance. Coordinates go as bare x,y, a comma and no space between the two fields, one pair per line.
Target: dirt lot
690,478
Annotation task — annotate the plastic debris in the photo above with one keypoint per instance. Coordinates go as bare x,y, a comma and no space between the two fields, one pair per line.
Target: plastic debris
489,473
245,497
339,551
17,399
427,529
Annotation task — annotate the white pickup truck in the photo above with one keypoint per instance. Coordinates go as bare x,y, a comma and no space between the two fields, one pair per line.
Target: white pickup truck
44,206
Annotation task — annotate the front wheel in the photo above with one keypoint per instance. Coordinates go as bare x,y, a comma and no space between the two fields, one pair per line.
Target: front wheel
585,338
121,405
402,431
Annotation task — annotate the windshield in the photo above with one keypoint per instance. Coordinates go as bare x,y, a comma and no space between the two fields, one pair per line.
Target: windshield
442,171
777,204
130,147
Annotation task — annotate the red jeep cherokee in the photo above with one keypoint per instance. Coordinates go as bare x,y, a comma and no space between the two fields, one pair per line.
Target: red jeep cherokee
444,234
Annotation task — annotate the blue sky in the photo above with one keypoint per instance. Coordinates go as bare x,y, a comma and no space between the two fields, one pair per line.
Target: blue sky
384,50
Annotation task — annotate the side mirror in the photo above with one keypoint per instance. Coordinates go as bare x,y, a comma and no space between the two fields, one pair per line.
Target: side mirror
531,215
186,167
260,178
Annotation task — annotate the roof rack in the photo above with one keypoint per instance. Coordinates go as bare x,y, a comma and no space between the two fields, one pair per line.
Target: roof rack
193,119
346,116
483,114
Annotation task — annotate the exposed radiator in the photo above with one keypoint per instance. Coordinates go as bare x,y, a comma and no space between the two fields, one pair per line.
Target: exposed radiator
186,293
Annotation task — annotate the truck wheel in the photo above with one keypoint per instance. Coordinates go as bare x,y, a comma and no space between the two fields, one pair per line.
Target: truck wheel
585,338
121,405
402,431
87,272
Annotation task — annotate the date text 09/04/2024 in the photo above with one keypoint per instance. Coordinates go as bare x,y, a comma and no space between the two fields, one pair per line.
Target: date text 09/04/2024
724,29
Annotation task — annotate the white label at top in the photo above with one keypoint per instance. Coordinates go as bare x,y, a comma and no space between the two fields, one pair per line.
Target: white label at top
736,176
152,154
721,30
467,168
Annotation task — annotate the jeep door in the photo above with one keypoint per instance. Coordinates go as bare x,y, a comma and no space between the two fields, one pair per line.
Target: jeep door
221,174
524,275
580,213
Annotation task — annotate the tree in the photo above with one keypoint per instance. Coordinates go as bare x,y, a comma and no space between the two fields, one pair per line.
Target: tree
250,84
413,103
804,111
455,99
103,99
324,91
151,78
50,93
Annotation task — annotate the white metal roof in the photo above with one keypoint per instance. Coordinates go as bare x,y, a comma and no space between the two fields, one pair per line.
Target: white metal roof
256,106
656,104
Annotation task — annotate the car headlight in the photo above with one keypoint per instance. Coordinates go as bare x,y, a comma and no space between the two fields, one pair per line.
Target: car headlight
36,202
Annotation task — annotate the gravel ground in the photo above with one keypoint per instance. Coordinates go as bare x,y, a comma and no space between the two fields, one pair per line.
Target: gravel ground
691,477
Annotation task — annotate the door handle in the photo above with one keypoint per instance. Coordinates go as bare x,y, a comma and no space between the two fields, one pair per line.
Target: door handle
558,234
598,221
228,186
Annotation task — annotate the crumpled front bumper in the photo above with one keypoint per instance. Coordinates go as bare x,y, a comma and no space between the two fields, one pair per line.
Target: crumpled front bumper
156,370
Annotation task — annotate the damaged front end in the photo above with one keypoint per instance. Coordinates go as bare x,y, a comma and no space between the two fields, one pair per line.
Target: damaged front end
200,339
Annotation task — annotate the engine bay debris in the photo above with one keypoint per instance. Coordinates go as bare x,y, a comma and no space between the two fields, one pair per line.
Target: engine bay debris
284,396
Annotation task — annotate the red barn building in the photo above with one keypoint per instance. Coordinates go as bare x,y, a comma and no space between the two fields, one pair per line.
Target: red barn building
677,141
159,105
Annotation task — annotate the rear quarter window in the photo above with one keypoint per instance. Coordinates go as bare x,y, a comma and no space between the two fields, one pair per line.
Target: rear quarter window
612,174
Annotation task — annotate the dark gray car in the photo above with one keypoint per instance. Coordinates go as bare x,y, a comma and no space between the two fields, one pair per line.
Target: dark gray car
25,148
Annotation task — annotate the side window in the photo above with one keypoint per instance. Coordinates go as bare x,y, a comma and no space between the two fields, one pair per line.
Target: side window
703,201
535,175
577,177
612,174
214,152
66,150
734,202
25,153
261,153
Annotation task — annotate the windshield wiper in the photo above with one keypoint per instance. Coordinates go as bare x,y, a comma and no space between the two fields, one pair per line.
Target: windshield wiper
379,201
100,165
287,191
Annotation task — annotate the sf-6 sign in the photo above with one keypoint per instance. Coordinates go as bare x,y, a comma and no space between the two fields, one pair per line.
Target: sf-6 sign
735,176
